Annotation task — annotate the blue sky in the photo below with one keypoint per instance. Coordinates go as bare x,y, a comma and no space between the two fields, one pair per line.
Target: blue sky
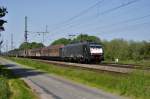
131,22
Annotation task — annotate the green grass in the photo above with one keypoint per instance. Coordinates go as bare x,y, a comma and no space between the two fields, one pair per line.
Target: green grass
135,85
20,90
4,88
11,87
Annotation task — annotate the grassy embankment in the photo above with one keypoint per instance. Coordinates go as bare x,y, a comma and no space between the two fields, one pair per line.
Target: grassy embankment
135,85
11,87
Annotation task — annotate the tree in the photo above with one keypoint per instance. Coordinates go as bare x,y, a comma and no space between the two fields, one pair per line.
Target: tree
61,41
32,45
126,50
146,50
117,48
3,12
80,38
85,37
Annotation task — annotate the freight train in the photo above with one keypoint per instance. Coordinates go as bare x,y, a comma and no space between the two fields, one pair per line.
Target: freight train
83,52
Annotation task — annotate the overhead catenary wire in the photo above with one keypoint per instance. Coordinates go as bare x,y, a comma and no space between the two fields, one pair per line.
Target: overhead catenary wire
41,32
78,15
122,22
130,27
112,9
104,12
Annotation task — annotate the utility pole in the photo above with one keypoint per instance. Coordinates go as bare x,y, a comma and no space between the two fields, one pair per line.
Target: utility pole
81,37
43,33
6,45
12,43
1,42
26,31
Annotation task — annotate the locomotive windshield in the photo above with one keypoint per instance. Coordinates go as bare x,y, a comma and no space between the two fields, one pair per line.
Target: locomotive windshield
96,49
95,46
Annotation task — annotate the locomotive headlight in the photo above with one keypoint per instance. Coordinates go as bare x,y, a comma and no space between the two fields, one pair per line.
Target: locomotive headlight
101,50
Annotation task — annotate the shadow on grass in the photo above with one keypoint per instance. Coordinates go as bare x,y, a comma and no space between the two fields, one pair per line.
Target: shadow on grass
13,71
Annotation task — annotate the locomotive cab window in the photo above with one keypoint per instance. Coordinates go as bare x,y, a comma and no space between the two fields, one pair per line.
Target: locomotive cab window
96,49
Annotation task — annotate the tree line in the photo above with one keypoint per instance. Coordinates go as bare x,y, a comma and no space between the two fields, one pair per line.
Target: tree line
126,50
80,38
27,45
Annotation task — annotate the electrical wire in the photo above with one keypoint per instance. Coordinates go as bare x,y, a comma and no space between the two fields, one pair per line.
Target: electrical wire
122,22
108,11
78,15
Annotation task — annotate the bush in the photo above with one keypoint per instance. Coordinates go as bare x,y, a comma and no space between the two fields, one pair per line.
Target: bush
126,50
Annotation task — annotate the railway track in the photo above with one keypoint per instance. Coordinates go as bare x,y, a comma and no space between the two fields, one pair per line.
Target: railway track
127,66
98,67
